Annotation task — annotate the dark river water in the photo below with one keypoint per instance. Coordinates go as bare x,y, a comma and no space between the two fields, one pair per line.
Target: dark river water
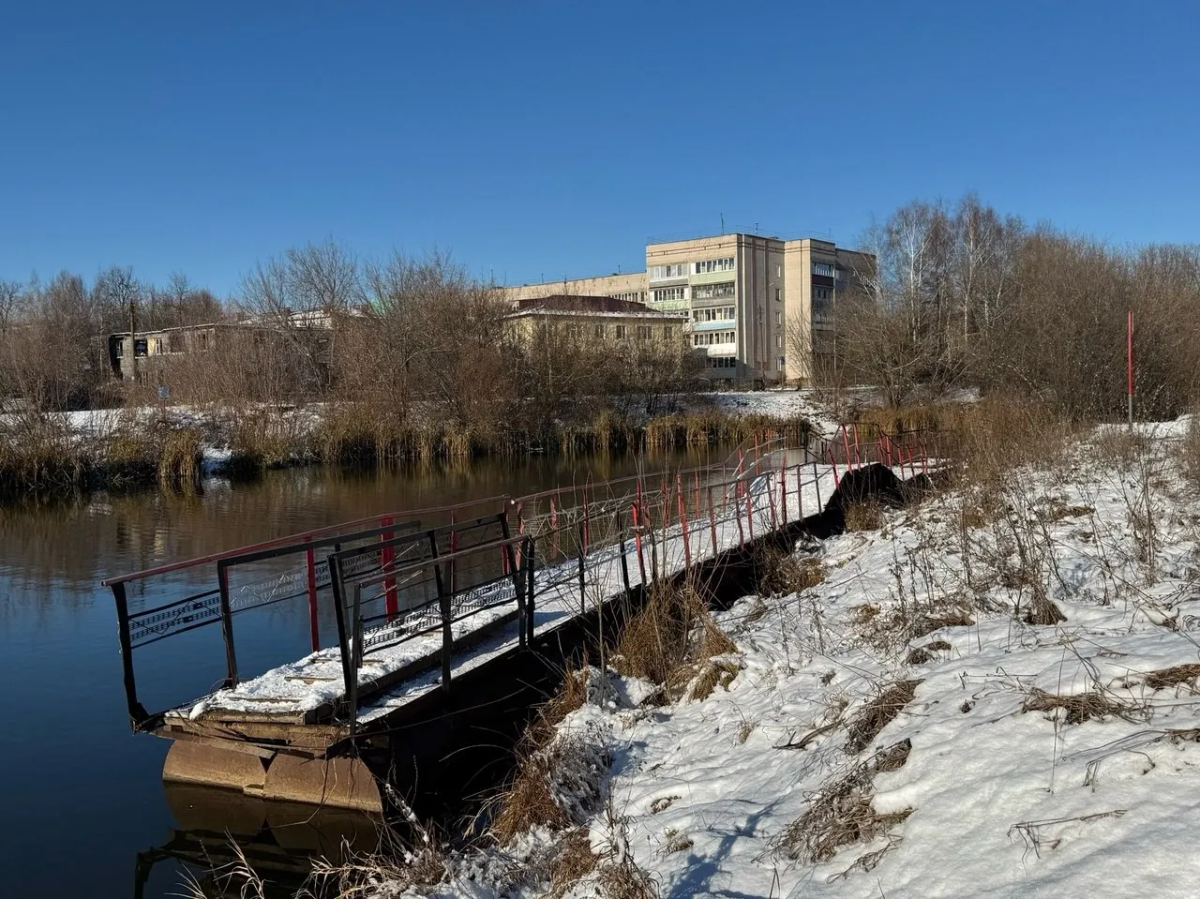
85,811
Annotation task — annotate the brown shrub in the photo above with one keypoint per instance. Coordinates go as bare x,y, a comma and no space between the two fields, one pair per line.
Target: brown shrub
574,861
779,573
864,516
878,714
841,814
672,629
1170,677
1079,708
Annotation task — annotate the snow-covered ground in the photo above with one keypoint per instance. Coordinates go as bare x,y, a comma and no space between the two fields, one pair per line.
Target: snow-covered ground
778,403
986,697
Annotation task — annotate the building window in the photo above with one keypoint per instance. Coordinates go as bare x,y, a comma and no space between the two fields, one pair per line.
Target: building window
175,342
778,319
723,291
663,272
779,341
778,271
782,362
620,332
203,341
139,347
824,269
575,331
708,266
668,294
119,348
643,332
633,296
776,294
821,293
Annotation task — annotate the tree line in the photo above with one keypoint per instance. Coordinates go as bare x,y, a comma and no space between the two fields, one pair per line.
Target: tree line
408,338
962,296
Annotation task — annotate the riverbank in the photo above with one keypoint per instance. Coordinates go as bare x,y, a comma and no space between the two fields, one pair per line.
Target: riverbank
991,693
55,454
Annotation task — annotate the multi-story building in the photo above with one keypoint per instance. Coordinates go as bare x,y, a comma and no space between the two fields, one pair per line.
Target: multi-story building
758,308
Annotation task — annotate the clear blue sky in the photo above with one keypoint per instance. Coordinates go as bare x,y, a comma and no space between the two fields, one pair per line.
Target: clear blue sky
554,138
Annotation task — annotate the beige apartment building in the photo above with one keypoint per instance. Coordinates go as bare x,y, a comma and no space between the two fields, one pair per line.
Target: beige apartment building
757,307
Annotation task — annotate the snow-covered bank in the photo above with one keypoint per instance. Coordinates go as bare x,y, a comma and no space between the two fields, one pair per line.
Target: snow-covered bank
992,695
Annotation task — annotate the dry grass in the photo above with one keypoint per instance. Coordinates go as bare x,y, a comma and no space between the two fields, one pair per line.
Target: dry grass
574,861
673,630
704,677
864,516
900,624
878,714
841,814
1042,610
780,573
1171,677
1078,708
555,787
625,880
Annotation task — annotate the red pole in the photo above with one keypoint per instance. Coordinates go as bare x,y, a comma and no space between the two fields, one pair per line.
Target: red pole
386,557
554,526
310,563
637,535
503,550
783,512
712,521
1129,351
683,525
520,533
749,514
771,500
587,525
737,513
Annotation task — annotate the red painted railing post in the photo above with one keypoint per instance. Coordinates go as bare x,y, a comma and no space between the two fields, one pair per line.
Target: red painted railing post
783,509
553,528
587,526
520,533
737,512
387,556
771,499
310,565
504,549
683,525
712,522
637,537
749,513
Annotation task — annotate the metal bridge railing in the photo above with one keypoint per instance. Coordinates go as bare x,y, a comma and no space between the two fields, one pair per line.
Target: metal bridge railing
392,578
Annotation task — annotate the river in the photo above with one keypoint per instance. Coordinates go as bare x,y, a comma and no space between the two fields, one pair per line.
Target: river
85,810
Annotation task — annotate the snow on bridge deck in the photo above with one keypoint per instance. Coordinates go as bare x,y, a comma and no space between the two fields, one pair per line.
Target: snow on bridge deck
309,689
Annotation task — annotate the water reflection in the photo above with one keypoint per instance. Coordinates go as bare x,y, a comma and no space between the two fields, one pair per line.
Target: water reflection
279,840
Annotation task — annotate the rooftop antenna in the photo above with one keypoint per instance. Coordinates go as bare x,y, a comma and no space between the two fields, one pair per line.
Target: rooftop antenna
722,223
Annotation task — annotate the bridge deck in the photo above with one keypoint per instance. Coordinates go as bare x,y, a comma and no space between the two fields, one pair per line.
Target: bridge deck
308,691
